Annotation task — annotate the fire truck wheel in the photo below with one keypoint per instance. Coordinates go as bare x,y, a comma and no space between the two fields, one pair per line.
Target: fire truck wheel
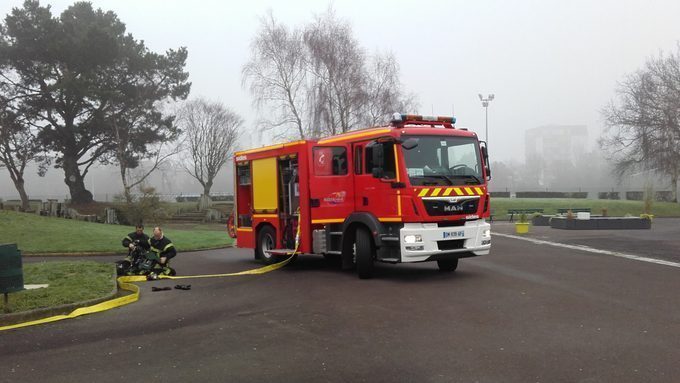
266,239
448,264
364,253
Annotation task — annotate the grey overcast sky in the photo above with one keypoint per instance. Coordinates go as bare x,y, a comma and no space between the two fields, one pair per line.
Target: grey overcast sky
547,62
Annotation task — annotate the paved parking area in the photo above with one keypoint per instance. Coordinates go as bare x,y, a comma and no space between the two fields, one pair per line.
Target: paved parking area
662,241
525,313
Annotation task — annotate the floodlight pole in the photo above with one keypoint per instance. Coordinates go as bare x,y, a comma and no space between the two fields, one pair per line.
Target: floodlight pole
485,105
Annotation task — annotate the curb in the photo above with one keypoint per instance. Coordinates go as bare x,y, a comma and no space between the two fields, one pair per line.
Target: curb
94,254
46,312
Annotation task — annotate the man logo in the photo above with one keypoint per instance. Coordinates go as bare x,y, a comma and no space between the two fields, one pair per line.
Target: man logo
449,208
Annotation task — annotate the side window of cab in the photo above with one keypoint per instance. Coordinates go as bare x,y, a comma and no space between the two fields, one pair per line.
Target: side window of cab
330,160
380,155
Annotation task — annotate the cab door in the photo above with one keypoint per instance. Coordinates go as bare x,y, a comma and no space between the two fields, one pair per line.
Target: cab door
331,183
377,186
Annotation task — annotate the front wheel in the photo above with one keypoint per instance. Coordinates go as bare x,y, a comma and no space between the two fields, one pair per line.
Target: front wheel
266,240
448,265
364,253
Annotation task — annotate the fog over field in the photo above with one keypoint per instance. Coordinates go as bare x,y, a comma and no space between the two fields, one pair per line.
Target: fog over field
548,63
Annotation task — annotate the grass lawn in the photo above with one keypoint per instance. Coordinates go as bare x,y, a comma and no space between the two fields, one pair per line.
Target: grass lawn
69,282
36,234
500,206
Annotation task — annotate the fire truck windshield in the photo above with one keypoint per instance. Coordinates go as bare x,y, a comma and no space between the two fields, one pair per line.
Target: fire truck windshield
442,160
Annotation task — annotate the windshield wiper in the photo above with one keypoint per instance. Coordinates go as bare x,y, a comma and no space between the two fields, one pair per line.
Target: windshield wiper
474,177
440,176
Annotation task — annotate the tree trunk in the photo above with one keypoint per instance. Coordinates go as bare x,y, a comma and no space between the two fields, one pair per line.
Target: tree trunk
674,187
17,176
74,181
205,200
22,193
19,185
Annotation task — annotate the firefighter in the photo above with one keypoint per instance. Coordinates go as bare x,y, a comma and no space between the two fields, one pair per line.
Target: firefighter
137,244
165,250
136,238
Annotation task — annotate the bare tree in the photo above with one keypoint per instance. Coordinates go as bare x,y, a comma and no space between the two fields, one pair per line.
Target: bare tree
19,146
211,130
317,80
337,63
643,123
276,74
384,91
141,134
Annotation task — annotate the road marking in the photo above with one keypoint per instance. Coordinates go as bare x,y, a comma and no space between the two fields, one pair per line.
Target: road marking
591,250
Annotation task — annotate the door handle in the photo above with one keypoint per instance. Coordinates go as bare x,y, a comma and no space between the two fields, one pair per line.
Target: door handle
365,200
314,202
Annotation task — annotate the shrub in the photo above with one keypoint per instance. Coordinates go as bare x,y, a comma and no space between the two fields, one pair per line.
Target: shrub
634,195
146,207
547,194
609,195
664,196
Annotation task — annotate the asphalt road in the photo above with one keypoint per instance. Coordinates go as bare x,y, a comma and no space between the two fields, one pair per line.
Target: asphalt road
525,313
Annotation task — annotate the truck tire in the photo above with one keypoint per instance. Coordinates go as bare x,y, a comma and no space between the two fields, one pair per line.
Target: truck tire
364,253
266,240
448,265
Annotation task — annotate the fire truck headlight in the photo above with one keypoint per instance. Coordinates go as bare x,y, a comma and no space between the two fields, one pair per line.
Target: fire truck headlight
486,233
413,238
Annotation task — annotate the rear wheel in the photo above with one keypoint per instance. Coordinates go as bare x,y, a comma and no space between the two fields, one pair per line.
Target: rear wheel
448,265
266,240
364,253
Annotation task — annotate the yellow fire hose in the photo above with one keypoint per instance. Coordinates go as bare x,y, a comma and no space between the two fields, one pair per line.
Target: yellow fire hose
125,283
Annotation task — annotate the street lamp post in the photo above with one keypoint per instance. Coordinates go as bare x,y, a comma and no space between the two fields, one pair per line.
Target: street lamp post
485,105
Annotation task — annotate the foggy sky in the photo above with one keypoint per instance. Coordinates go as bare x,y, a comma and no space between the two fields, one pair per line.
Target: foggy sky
547,62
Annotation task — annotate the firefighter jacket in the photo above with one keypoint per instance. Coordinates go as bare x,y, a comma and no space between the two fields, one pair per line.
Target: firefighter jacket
162,247
141,240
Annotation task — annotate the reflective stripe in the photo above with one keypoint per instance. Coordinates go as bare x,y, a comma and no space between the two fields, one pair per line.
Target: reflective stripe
389,219
155,250
169,245
128,238
330,220
445,192
353,136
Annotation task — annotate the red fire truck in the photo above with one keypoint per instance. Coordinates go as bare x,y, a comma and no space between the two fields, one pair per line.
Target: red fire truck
413,191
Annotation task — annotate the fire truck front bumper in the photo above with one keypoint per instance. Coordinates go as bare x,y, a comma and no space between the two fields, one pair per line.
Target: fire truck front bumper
421,242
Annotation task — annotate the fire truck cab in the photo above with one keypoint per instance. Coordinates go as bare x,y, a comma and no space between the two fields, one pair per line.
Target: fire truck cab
413,191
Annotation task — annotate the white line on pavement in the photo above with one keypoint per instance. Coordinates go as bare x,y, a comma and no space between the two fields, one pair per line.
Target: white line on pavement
591,250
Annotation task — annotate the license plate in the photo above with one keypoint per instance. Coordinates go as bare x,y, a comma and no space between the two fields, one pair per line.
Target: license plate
453,234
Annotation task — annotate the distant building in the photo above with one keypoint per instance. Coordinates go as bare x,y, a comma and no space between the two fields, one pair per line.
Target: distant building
551,147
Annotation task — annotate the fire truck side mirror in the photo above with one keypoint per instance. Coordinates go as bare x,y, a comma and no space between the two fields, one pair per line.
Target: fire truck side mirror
410,143
487,166
378,159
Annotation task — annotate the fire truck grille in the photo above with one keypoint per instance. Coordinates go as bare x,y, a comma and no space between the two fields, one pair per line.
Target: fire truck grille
442,207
